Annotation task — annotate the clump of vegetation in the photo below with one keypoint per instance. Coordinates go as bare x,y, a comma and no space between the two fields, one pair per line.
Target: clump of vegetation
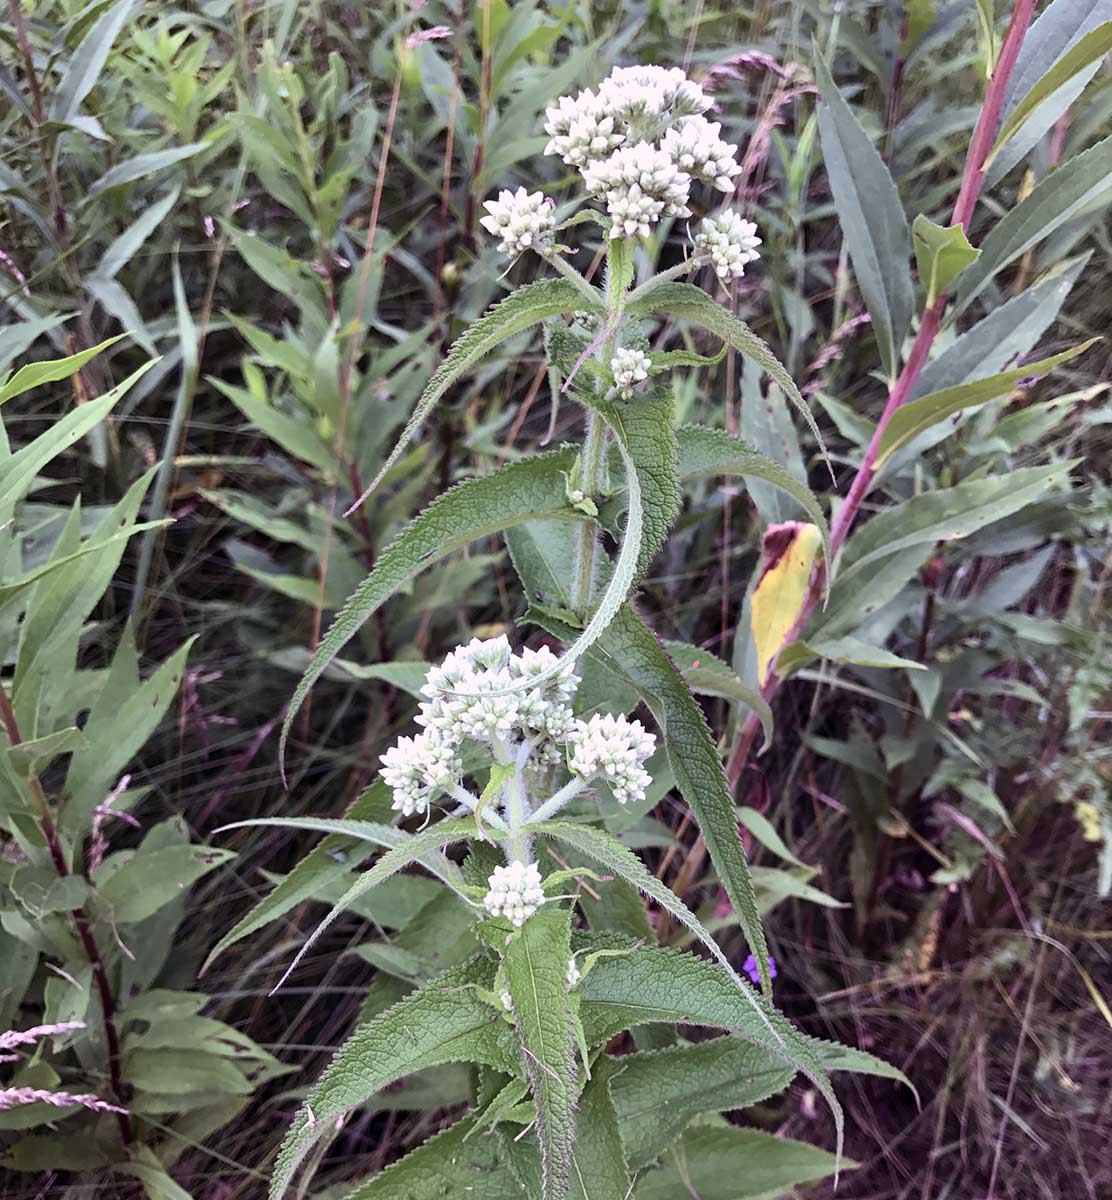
844,709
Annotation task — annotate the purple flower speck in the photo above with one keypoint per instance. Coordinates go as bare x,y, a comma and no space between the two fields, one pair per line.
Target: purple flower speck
750,968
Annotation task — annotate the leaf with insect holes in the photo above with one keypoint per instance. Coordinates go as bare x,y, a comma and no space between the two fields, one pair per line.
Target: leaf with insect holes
941,254
527,490
447,1021
535,961
528,306
913,418
134,884
871,216
790,554
684,301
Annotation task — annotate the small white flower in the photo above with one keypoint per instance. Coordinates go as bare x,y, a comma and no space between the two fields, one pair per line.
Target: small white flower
515,892
640,184
573,974
629,367
580,129
614,748
696,148
730,241
507,1001
523,220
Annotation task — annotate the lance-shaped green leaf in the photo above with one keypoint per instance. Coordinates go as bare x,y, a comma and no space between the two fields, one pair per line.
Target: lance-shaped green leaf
37,373
144,164
631,649
871,216
736,1164
530,489
22,467
941,254
657,1092
1062,194
447,1021
535,961
530,305
687,302
944,515
705,451
1089,49
82,71
608,851
912,419
840,650
707,675
598,1169
412,850
449,1163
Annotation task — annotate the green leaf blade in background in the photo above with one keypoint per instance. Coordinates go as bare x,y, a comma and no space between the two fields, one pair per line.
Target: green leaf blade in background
871,216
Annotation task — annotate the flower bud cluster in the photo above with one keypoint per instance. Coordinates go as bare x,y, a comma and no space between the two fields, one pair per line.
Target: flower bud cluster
463,701
515,892
629,368
640,141
616,749
729,241
523,220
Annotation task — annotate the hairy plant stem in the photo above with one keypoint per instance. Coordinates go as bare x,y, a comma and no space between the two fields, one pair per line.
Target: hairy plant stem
81,921
591,473
972,181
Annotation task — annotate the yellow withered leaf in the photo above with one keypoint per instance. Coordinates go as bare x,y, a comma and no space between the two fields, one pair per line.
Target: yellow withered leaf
790,551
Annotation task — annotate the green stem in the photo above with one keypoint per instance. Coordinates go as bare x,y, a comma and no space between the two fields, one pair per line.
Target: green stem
590,293
517,813
593,460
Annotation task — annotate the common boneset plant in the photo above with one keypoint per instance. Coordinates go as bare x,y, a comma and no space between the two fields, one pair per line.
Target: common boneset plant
546,741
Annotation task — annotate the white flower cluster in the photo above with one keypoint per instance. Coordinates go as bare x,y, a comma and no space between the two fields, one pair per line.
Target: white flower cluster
417,768
730,242
640,141
629,367
616,749
523,220
515,892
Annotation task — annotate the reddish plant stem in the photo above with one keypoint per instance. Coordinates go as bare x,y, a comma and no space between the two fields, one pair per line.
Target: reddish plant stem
972,181
81,922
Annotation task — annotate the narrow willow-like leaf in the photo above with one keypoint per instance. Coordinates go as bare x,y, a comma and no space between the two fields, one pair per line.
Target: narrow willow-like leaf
530,489
83,69
37,373
535,960
871,216
707,675
912,419
530,305
445,1022
687,302
705,451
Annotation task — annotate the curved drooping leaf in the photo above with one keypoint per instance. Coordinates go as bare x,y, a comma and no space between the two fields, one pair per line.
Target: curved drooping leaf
687,302
651,985
529,305
605,849
412,849
329,860
446,1021
707,675
631,648
535,960
36,374
706,451
526,490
